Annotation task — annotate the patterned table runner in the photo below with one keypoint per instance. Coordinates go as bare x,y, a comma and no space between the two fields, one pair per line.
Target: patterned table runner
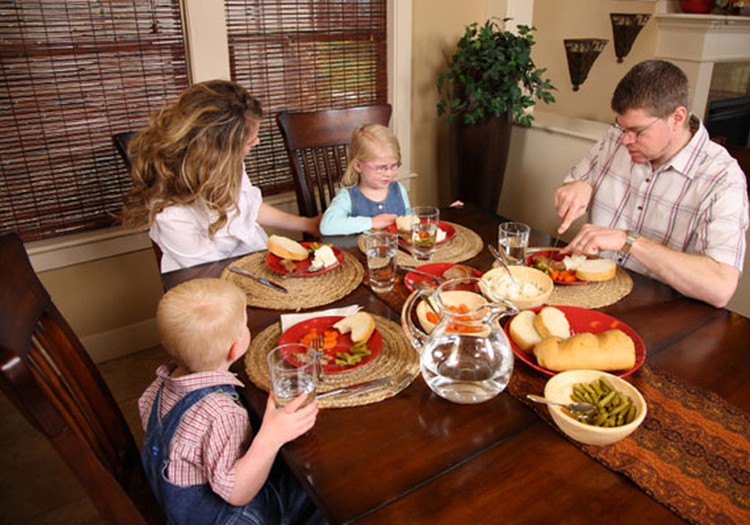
691,454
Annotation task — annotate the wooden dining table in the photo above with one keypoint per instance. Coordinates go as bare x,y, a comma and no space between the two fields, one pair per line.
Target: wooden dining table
417,458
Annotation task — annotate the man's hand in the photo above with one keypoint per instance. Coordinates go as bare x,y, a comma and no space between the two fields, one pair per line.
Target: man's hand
571,201
593,239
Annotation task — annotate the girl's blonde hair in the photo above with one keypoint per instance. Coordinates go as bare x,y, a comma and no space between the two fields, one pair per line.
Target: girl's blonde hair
199,320
192,150
364,144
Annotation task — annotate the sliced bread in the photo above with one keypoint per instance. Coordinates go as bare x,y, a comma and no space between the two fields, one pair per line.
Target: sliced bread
523,332
551,322
596,270
287,248
361,325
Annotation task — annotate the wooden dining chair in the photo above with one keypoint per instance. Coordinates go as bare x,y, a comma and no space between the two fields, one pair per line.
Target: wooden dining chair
317,143
50,378
121,141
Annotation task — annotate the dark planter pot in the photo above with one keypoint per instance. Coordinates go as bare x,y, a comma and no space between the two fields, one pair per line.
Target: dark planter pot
478,154
696,6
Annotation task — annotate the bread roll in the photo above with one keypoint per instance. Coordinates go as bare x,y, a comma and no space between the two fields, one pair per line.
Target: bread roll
523,332
287,248
361,325
551,321
596,270
610,350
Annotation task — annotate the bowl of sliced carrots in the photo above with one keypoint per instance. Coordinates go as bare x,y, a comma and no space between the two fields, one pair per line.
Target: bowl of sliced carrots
457,301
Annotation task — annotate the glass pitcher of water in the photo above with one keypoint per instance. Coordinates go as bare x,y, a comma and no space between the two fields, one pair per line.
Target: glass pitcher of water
465,356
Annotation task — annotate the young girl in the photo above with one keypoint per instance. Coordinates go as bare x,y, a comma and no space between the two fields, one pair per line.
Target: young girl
369,198
190,189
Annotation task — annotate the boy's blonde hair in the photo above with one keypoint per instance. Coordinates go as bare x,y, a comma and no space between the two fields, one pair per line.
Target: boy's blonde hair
363,145
199,320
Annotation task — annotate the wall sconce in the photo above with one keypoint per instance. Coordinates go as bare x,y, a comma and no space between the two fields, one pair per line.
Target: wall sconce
581,53
625,29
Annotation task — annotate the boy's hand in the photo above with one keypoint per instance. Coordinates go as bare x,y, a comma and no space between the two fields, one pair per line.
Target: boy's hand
283,424
382,221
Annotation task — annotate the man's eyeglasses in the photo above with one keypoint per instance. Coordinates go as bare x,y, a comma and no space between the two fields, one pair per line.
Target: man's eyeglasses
383,168
635,133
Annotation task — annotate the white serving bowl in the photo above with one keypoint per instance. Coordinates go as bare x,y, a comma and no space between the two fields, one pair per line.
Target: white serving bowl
559,388
522,274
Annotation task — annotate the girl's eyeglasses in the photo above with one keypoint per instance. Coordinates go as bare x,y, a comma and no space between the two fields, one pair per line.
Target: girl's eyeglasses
383,168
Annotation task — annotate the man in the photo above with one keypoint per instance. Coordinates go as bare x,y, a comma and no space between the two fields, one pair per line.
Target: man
663,200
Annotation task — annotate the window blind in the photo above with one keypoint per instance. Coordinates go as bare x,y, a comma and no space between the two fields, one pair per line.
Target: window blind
74,72
303,55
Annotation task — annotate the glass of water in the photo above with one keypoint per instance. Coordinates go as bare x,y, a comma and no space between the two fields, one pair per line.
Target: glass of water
292,370
512,241
381,247
424,229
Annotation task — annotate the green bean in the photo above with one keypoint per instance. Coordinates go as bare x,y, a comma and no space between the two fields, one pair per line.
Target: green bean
615,408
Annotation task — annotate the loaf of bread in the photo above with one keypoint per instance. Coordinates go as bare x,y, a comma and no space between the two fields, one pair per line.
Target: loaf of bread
287,248
361,325
596,270
610,350
523,332
551,322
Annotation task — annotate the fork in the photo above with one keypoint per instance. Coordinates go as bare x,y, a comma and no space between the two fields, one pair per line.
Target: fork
317,355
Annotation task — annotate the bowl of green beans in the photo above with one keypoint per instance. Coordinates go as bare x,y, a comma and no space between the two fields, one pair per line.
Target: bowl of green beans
620,406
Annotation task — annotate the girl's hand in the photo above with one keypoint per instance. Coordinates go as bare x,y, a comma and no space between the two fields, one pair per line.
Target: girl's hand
283,424
382,221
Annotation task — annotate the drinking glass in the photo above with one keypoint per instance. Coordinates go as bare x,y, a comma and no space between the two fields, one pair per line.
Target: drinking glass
424,231
292,371
512,241
381,247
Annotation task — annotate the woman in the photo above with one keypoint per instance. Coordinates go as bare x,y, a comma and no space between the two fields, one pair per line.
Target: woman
190,186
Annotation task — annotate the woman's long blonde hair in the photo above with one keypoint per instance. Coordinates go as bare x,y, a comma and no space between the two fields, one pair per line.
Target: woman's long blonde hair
192,151
363,146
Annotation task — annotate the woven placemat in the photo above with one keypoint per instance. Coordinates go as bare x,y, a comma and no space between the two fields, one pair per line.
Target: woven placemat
396,357
465,245
594,294
304,292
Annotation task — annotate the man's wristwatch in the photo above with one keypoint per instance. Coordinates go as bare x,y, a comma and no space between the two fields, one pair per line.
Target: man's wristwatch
629,241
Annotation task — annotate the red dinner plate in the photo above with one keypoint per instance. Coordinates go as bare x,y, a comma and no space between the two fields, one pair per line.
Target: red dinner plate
555,256
274,262
436,269
294,333
583,320
405,237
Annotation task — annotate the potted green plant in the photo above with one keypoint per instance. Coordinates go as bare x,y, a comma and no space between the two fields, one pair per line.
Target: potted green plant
490,82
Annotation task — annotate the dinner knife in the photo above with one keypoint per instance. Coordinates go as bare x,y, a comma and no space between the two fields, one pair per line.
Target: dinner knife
357,388
432,276
261,280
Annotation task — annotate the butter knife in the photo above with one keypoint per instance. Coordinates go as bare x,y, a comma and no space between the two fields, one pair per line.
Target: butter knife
367,386
261,280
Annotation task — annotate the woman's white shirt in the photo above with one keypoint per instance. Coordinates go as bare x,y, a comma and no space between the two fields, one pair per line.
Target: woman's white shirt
182,231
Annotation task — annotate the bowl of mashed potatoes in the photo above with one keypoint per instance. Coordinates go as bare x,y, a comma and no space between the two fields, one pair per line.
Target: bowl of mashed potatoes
529,287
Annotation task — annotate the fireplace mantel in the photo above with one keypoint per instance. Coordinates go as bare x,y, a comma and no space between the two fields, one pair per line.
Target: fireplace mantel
697,42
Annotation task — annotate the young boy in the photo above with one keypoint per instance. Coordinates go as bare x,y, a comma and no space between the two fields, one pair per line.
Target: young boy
196,430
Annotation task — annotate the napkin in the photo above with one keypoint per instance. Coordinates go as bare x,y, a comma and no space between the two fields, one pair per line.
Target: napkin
289,320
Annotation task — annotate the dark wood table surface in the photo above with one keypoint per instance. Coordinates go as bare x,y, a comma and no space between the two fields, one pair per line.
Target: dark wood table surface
416,458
